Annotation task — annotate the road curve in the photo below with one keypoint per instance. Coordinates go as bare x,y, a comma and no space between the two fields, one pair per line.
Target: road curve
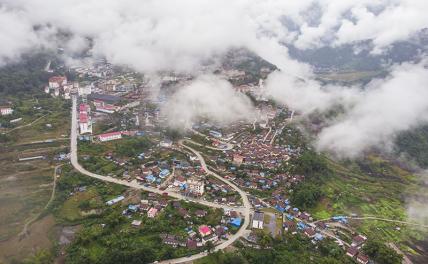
134,184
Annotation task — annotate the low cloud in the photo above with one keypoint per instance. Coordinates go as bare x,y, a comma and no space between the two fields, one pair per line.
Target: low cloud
208,97
373,115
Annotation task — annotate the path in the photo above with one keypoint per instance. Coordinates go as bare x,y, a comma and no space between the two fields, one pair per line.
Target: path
24,231
26,125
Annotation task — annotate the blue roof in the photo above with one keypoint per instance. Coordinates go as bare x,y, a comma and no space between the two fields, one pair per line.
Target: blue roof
279,208
164,173
150,178
235,221
301,225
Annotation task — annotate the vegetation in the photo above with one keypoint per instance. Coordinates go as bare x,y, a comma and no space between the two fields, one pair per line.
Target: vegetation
381,253
415,144
285,249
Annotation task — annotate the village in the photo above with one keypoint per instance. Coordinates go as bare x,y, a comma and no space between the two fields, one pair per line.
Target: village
124,137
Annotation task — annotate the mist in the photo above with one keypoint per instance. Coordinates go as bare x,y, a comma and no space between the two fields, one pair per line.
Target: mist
208,97
167,35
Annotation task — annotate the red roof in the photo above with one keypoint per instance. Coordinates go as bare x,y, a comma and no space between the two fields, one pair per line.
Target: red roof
83,118
205,230
83,107
57,79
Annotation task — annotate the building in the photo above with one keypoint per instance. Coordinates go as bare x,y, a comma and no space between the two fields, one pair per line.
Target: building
105,98
6,111
85,123
310,232
358,241
195,187
352,252
57,81
363,259
110,136
84,90
84,108
115,200
204,230
152,212
258,220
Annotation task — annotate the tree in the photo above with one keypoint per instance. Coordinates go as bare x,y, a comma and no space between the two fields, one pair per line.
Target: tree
209,246
381,253
306,195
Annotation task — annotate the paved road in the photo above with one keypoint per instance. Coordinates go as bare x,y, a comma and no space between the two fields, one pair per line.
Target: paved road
244,210
229,146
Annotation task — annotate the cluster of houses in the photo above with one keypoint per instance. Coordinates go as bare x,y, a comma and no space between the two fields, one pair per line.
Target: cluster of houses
155,173
6,110
200,235
260,180
105,103
354,251
255,152
220,192
59,86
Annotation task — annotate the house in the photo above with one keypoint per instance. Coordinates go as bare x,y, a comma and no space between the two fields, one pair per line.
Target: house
258,220
363,259
110,136
152,212
289,225
204,230
352,251
359,240
115,200
84,108
166,143
183,212
238,159
104,98
6,111
220,231
170,240
57,81
163,173
85,124
236,222
200,213
321,225
136,223
195,187
309,232
191,244
212,237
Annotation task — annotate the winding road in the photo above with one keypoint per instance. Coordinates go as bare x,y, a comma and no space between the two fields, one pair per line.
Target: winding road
245,210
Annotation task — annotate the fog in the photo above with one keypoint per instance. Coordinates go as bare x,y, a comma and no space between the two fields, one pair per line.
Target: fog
162,35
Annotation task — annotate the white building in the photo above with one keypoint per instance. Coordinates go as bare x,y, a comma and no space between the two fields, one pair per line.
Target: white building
85,124
110,136
196,187
6,111
258,220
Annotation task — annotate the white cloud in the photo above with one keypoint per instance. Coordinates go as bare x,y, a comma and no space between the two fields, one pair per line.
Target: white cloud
386,108
209,97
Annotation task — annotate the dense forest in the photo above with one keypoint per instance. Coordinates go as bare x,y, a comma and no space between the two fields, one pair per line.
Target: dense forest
28,74
415,144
